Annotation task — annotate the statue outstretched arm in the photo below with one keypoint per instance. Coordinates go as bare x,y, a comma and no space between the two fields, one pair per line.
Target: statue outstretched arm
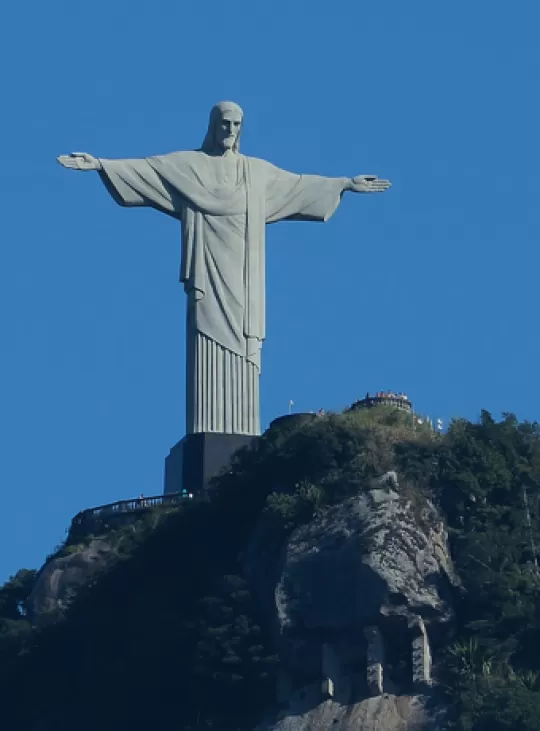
131,182
79,161
294,197
367,184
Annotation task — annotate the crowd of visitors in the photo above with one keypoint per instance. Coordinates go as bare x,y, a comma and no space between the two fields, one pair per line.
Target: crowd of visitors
388,395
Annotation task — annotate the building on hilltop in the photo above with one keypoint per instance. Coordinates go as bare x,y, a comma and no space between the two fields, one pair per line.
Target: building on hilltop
384,398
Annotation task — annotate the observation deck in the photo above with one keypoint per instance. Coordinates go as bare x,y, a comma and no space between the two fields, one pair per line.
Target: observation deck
384,398
124,511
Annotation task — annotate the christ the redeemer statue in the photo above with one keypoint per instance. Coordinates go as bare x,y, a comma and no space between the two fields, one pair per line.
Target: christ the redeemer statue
223,200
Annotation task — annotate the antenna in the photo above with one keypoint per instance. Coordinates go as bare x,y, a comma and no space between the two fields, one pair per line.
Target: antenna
291,404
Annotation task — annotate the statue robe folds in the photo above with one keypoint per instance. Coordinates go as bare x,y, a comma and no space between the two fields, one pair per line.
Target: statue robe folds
223,203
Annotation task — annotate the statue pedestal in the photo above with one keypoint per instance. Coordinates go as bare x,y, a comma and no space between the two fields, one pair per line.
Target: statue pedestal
196,458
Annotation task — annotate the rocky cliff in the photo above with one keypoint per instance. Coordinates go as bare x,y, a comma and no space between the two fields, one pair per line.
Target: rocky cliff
362,596
359,599
59,580
316,588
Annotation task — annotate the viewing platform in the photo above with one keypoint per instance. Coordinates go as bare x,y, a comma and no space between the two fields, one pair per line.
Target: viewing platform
384,398
125,510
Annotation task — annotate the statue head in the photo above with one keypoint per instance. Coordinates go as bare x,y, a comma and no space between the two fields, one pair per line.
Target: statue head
224,129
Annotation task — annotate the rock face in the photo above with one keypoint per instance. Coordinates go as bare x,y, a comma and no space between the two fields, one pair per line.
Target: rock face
383,713
364,559
361,599
61,577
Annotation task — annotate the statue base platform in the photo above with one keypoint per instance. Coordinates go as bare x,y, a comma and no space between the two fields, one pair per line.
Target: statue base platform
196,458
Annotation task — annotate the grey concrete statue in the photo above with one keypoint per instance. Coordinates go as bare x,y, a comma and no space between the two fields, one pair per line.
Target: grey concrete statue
223,200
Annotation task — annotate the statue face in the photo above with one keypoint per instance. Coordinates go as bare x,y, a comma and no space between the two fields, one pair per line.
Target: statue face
228,129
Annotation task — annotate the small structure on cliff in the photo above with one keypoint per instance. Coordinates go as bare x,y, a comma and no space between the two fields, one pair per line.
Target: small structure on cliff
384,398
122,512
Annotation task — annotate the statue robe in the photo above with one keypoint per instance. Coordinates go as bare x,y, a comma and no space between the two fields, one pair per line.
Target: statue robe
223,203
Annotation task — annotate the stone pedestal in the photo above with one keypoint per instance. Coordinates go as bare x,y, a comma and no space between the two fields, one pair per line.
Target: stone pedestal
330,670
421,653
195,459
375,660
327,688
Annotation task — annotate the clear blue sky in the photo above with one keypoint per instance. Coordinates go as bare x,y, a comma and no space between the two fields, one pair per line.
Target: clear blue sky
431,288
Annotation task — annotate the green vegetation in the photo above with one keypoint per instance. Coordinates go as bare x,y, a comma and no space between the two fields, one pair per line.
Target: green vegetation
488,484
170,636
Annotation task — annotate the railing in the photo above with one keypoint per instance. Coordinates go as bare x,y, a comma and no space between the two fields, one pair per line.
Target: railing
398,402
123,507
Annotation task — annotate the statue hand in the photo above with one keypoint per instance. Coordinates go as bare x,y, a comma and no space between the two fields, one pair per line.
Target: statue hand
369,184
79,161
